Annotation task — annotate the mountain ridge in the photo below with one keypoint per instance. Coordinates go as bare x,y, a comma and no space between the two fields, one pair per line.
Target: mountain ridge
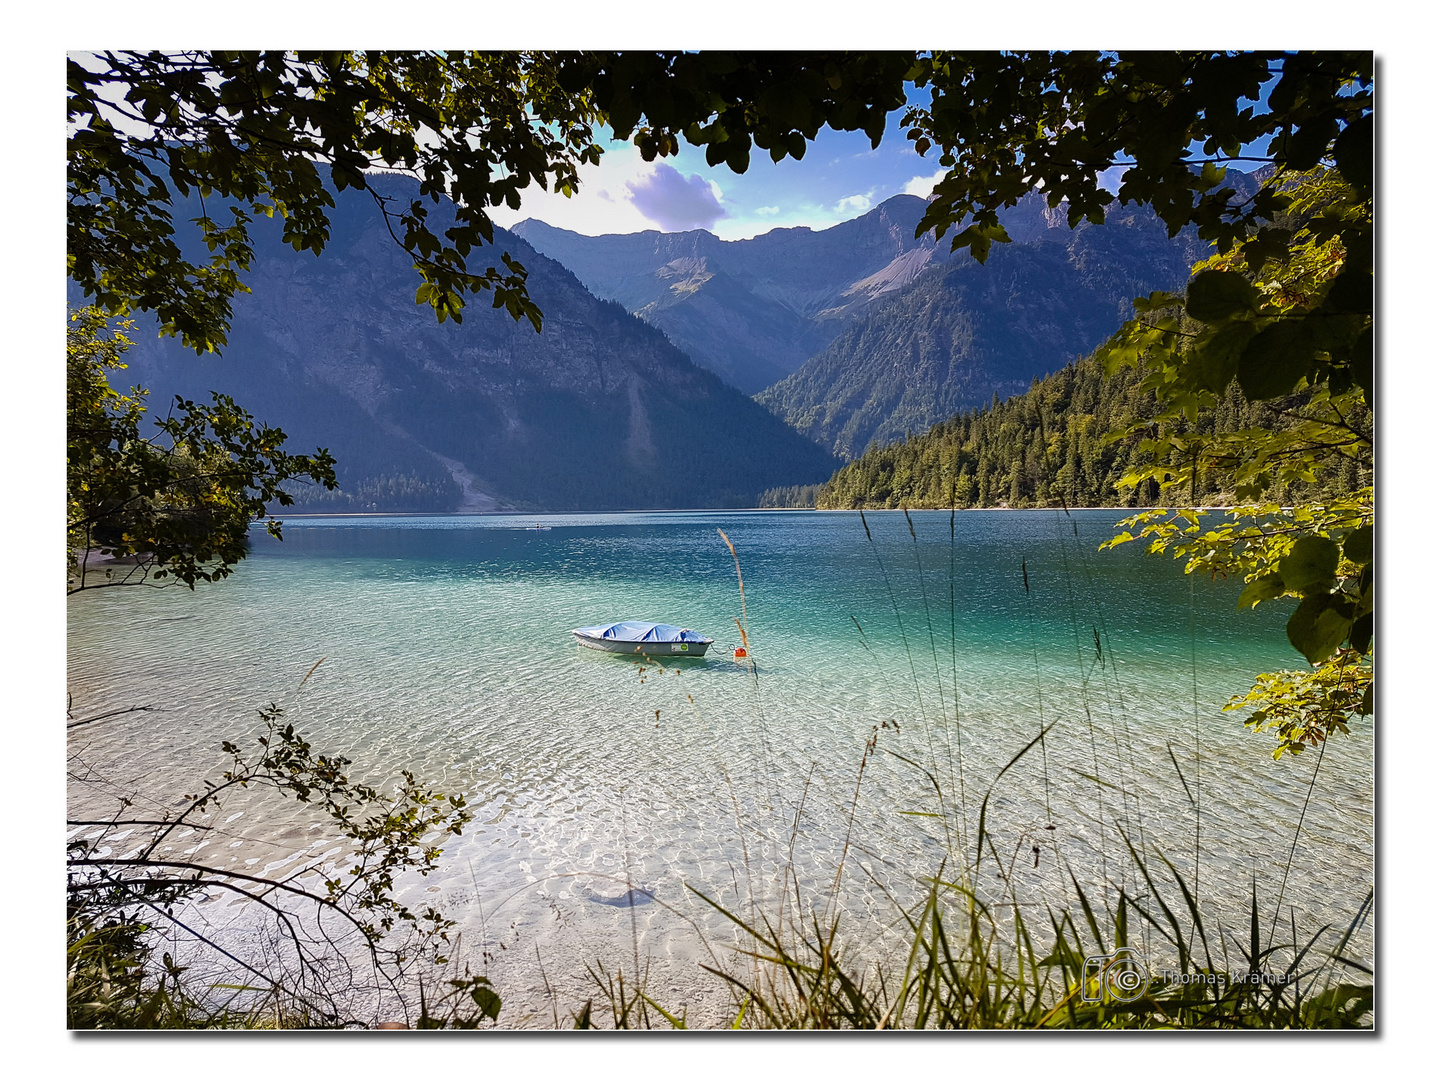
599,411
756,310
963,333
800,281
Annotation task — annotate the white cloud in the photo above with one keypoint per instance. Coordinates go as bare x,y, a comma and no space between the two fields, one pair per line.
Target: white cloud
923,185
601,205
767,211
675,202
624,194
853,204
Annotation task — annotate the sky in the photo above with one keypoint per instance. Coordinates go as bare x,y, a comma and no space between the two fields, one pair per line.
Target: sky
839,178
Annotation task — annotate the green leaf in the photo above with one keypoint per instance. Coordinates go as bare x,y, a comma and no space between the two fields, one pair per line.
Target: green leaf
488,1000
1318,626
1355,153
1272,242
1353,291
1301,150
1360,545
1310,566
1275,359
1362,632
1156,301
1219,354
1214,296
1269,587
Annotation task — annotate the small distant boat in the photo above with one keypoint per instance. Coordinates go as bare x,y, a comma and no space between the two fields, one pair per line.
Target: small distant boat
538,528
644,638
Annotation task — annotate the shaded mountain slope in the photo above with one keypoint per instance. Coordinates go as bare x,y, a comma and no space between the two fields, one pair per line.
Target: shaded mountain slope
599,411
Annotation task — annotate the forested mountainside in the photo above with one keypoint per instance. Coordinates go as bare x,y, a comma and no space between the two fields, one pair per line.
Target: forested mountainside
599,411
963,333
1046,447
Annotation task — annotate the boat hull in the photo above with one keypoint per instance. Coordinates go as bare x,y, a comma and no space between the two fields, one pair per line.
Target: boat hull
644,648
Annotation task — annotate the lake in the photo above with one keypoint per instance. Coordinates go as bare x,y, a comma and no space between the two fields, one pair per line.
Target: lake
443,647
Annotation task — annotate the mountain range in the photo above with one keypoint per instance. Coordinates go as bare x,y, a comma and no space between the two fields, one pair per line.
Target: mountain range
638,391
862,332
599,411
963,334
751,310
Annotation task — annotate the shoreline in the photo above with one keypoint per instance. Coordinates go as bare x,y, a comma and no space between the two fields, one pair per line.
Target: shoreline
730,510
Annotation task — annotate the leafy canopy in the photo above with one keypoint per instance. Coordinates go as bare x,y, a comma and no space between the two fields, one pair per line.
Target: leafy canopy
1010,123
1288,314
263,133
272,132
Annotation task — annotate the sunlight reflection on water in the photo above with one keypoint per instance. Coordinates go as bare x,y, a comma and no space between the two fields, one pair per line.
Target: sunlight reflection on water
446,651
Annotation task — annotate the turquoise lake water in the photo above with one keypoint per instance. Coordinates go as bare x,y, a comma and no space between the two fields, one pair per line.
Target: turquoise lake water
446,651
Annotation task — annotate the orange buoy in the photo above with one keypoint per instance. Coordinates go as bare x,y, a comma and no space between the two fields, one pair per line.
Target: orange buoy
741,654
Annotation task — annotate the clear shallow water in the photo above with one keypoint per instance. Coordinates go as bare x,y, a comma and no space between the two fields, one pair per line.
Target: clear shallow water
446,651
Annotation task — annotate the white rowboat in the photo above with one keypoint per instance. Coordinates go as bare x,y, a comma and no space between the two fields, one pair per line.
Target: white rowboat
643,638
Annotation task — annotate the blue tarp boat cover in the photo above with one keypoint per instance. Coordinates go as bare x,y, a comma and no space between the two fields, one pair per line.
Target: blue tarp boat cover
640,631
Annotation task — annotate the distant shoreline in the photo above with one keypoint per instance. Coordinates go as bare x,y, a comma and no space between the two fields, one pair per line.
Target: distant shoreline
726,510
